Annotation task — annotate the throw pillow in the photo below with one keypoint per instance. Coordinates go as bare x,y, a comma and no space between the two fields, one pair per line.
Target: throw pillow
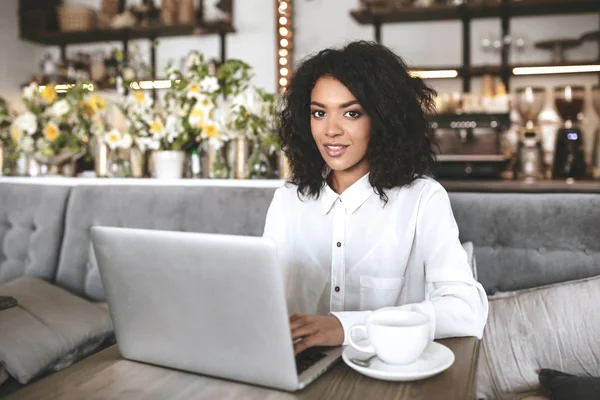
553,326
49,329
569,387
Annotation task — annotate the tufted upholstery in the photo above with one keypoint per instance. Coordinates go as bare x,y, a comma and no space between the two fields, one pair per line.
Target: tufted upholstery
31,229
528,240
195,209
521,240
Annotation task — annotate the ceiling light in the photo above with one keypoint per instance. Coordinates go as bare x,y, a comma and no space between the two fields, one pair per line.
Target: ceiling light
435,74
571,69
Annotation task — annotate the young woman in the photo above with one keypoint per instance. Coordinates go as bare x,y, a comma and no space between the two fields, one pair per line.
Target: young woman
361,226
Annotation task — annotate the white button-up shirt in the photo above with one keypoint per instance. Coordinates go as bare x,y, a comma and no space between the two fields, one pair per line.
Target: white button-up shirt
348,255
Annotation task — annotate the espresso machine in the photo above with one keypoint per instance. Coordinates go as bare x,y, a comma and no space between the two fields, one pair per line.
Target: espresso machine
569,158
529,103
596,147
469,145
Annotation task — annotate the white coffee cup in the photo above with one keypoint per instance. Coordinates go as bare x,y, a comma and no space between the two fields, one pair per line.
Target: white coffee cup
396,336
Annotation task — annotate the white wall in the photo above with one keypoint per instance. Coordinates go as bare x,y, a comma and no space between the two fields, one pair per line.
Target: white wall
19,58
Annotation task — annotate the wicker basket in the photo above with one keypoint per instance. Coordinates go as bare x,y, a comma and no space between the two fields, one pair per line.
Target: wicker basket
75,17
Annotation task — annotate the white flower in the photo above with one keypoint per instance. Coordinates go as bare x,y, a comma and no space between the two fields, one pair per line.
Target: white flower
205,103
41,143
112,138
198,117
157,129
193,90
174,127
27,122
27,144
31,91
210,84
216,143
194,60
60,108
147,143
126,141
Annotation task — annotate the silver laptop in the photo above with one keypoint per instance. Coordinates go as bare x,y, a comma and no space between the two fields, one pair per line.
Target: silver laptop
205,303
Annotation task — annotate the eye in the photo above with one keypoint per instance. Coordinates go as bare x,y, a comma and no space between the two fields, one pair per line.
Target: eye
354,114
318,114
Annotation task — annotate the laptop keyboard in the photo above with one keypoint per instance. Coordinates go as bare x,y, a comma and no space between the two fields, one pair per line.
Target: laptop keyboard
309,357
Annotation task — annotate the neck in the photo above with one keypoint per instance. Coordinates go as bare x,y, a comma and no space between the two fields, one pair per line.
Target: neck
342,180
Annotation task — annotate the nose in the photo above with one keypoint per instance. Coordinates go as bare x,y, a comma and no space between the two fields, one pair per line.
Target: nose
333,128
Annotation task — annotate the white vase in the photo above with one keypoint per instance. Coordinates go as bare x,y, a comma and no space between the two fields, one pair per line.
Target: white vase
168,164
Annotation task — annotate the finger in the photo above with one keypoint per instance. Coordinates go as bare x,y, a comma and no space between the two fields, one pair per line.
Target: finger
306,343
301,321
296,316
304,331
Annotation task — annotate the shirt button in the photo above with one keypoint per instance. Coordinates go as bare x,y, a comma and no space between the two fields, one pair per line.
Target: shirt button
337,289
339,244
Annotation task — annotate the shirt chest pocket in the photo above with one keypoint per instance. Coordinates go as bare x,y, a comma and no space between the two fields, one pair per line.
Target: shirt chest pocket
377,293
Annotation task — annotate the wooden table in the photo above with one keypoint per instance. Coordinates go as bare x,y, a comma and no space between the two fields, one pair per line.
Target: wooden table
107,375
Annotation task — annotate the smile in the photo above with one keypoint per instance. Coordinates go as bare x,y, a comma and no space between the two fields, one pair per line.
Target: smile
335,150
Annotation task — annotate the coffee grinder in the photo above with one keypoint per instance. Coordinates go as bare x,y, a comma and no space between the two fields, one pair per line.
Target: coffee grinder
529,103
569,158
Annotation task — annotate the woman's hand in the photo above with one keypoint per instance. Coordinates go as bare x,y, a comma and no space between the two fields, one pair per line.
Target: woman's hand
315,330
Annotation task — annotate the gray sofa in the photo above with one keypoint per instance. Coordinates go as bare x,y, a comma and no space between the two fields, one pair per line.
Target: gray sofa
521,241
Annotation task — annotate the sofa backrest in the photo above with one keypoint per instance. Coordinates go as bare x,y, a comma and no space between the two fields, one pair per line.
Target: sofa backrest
521,240
31,229
228,210
527,240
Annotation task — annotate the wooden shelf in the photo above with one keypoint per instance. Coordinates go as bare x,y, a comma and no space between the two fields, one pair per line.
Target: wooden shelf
113,35
475,11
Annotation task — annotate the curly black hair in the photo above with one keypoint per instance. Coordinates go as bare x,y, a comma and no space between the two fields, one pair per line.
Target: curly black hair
400,148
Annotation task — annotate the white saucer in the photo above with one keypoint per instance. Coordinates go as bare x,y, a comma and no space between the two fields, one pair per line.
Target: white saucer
435,359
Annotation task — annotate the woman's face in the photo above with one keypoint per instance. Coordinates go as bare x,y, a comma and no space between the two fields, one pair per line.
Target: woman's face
340,126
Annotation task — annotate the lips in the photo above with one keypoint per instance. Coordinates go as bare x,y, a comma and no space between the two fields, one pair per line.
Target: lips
335,150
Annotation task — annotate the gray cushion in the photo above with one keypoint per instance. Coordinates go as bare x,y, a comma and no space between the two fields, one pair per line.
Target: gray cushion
238,211
528,240
552,327
49,330
31,229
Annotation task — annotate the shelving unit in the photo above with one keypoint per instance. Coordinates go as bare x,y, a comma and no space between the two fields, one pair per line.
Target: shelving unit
503,9
151,33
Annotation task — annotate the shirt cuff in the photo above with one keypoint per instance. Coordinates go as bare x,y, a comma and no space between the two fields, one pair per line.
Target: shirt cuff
350,318
424,307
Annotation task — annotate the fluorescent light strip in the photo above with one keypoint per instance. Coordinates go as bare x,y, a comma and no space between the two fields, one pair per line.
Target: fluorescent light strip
435,74
147,85
571,69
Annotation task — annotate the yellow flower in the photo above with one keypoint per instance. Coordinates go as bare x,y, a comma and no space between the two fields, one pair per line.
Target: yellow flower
197,117
156,126
87,108
210,131
194,87
139,97
97,102
51,132
16,134
49,94
205,103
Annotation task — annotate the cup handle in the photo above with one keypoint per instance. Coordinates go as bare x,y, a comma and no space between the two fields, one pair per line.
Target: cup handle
353,344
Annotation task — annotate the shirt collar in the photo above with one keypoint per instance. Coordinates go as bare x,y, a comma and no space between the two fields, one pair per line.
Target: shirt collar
352,198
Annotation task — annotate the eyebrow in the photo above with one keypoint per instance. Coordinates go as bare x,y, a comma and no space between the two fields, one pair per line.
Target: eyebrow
344,105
